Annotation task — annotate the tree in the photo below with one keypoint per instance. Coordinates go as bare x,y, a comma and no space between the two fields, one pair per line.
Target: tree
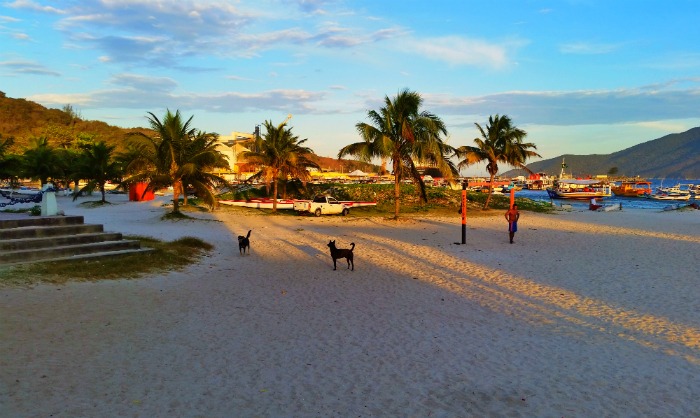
10,164
281,155
177,153
404,134
97,165
200,159
42,162
500,142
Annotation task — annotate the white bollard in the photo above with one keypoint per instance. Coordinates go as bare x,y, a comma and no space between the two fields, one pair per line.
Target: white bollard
49,207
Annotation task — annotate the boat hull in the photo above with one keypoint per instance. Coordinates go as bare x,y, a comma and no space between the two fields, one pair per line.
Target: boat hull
669,197
555,194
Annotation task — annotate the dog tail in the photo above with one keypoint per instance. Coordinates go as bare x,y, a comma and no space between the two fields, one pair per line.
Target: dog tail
248,236
353,246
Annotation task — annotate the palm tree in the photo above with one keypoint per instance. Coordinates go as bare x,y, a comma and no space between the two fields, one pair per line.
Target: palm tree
500,142
97,165
403,133
281,155
42,161
199,161
177,152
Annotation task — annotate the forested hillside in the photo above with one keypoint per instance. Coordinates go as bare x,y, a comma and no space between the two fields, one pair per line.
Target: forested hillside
22,120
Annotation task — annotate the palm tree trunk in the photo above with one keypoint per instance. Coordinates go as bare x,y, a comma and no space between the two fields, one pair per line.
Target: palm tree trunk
397,188
176,196
488,198
274,192
102,190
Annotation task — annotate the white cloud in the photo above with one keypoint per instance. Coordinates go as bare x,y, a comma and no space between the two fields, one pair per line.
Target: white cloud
31,5
589,48
21,67
576,107
458,51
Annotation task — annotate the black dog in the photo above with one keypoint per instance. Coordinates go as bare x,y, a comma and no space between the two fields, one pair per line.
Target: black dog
337,253
243,243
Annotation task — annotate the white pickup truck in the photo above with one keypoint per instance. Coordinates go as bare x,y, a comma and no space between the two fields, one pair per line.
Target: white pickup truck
321,205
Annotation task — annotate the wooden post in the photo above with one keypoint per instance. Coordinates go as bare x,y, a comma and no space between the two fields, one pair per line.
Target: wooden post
464,212
512,197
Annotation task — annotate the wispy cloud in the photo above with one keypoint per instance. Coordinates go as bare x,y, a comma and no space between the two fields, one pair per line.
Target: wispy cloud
576,107
31,5
589,48
8,19
133,91
28,67
456,50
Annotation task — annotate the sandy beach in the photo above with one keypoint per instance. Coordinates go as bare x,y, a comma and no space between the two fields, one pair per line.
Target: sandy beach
587,314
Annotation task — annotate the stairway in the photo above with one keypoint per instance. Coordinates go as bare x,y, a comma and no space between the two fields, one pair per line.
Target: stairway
49,238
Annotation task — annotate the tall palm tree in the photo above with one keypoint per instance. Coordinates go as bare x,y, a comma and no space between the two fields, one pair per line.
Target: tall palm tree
171,156
281,154
403,133
500,142
198,165
97,165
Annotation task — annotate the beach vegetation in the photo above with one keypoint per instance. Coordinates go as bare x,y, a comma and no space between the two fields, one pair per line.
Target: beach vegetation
166,256
10,164
42,162
96,164
500,142
176,155
404,134
281,155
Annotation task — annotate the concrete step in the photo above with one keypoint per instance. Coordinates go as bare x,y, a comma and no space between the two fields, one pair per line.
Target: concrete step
28,221
52,253
83,256
48,231
57,241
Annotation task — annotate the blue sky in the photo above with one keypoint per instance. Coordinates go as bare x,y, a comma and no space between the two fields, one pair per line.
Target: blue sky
580,76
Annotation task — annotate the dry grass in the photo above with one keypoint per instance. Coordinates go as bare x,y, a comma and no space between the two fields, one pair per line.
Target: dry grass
165,256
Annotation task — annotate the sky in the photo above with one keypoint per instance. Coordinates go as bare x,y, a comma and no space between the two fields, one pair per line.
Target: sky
579,76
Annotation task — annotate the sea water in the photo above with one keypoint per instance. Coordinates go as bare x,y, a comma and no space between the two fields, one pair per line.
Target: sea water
627,202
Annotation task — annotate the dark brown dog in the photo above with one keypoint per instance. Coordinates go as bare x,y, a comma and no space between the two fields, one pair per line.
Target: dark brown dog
243,243
345,253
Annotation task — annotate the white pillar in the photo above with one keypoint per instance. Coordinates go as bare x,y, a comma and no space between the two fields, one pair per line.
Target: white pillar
49,207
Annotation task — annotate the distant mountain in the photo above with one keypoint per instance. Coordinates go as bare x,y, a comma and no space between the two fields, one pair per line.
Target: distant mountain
671,156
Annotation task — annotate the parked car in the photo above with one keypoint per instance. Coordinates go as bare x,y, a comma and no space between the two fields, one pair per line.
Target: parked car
322,205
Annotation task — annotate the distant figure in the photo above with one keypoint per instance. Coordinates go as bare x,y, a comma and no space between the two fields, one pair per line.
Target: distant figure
512,217
594,205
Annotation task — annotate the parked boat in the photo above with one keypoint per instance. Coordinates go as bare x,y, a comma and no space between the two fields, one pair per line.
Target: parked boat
668,196
676,190
632,188
579,189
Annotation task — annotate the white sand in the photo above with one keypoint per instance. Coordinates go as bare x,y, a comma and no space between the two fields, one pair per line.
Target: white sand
588,314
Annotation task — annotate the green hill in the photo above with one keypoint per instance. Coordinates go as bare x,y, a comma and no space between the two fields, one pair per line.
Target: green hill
671,156
23,119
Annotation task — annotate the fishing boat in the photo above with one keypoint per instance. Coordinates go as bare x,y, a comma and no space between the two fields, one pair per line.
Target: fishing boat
677,190
661,195
582,189
579,189
632,188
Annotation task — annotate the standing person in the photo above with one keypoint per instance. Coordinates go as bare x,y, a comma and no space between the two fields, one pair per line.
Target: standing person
512,217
